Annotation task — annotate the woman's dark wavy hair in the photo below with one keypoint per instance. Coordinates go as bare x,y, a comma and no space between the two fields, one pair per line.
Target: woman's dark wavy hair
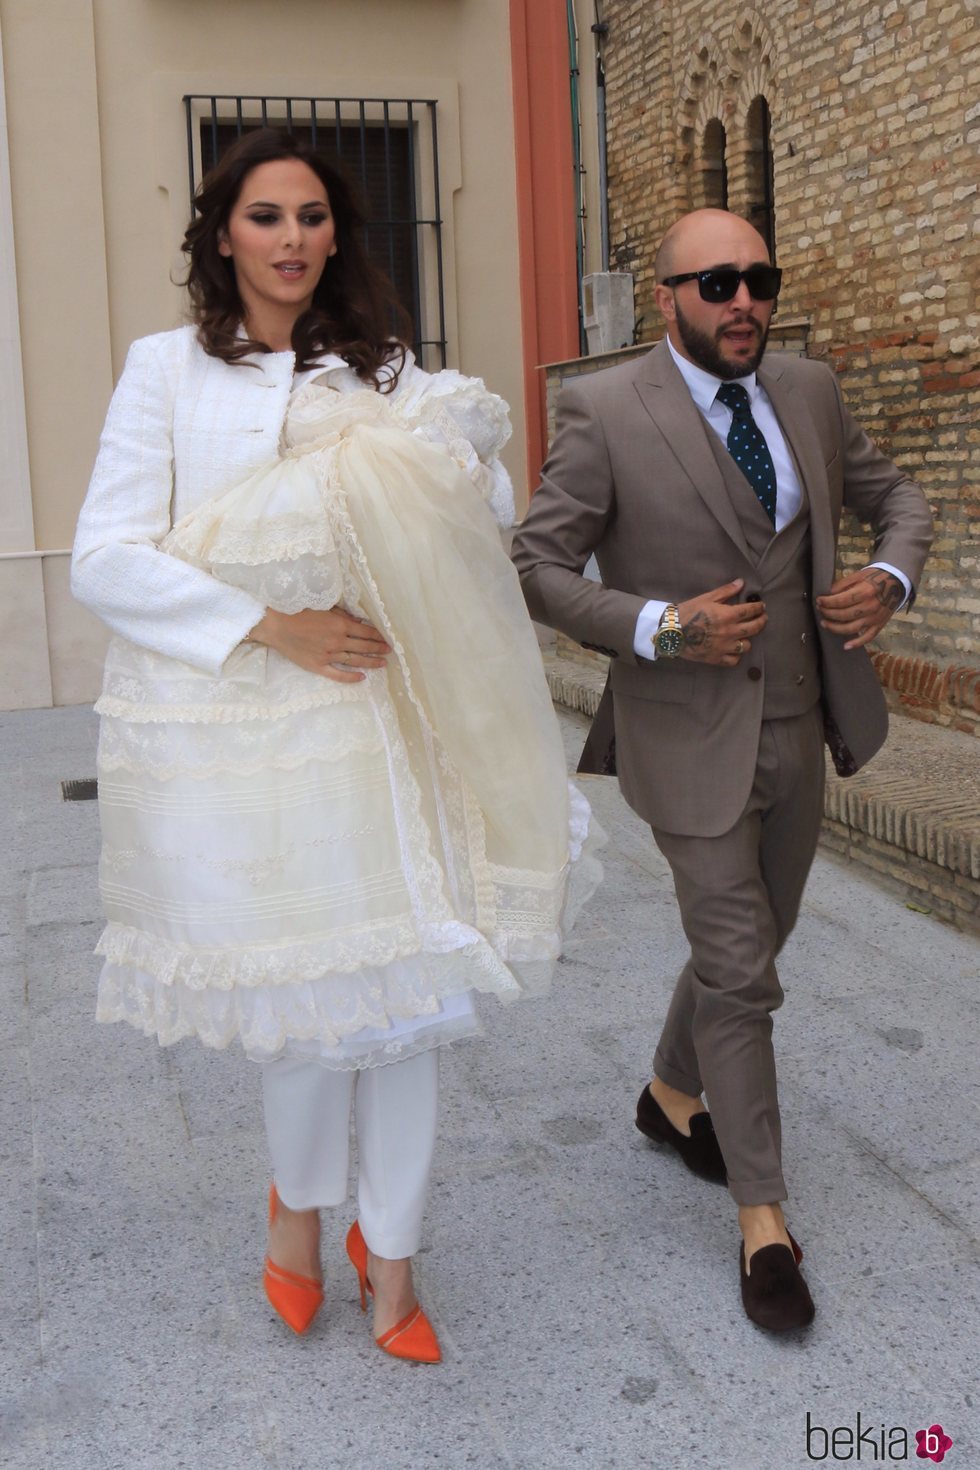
354,304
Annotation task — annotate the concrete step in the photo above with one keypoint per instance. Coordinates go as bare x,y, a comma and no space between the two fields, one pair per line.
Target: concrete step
912,816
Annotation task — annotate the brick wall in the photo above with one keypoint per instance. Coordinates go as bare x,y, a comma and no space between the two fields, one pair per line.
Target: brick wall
875,139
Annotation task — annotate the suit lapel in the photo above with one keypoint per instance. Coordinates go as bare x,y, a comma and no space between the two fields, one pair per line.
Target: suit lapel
804,442
665,396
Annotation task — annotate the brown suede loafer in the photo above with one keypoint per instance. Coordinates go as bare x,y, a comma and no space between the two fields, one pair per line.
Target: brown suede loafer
776,1296
700,1152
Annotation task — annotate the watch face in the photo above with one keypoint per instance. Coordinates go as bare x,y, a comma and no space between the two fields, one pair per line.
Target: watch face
670,641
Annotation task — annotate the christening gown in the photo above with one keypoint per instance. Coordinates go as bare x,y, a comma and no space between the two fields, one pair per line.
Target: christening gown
331,869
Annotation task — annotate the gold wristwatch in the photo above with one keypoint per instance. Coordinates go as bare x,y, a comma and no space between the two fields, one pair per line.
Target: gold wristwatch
669,637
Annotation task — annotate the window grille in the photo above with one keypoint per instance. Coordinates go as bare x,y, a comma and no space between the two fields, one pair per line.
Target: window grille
390,147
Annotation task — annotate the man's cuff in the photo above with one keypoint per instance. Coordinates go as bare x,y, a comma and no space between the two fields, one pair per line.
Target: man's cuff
646,625
887,567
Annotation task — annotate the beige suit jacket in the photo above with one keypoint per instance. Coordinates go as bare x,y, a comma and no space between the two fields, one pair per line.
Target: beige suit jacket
632,478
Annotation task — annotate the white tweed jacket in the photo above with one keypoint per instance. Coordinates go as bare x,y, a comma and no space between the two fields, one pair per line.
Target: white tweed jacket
183,427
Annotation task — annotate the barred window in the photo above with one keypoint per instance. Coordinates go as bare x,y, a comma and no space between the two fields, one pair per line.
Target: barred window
389,146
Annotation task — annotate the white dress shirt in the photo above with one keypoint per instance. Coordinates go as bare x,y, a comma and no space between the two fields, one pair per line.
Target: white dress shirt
703,388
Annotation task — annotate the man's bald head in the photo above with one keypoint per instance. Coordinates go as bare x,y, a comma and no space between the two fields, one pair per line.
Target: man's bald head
707,237
726,338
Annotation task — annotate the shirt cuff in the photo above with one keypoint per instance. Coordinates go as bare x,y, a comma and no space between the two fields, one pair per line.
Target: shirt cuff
646,625
887,567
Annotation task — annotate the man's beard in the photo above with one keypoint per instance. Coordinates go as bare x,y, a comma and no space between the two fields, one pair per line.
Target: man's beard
706,353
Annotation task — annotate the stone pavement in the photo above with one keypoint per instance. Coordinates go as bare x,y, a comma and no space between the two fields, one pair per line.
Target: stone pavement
583,1283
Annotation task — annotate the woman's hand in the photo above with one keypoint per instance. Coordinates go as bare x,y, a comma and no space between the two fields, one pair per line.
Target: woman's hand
331,643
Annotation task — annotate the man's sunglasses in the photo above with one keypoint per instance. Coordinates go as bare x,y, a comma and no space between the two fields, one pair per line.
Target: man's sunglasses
721,283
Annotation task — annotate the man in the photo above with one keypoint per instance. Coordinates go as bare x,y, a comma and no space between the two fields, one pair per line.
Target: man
711,495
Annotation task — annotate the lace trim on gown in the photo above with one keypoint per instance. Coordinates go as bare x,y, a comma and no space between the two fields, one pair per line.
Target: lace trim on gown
376,1015
413,834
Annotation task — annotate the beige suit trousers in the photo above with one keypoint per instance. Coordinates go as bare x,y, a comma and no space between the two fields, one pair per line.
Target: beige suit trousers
739,895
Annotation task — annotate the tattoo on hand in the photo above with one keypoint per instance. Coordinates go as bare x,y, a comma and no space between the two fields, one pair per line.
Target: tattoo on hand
697,633
888,590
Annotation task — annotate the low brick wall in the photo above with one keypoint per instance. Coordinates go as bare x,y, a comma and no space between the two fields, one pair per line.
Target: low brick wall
922,883
912,817
923,690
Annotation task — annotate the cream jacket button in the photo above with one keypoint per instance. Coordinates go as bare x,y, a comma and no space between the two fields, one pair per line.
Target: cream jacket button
802,637
800,678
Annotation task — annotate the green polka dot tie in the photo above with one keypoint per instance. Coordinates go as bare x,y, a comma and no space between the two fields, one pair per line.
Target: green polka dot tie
748,448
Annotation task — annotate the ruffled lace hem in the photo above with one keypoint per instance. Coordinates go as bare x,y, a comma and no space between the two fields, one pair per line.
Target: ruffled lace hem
284,966
340,1026
521,937
161,991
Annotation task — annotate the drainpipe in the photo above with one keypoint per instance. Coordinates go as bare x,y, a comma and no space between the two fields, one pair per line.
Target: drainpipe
577,164
600,30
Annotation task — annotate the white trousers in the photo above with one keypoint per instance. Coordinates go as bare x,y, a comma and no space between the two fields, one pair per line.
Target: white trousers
307,1119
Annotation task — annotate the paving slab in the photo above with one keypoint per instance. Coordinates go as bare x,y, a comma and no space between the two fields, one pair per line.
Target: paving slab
584,1284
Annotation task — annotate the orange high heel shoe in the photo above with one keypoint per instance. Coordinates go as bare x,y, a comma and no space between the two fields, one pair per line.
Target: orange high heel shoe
296,1298
413,1338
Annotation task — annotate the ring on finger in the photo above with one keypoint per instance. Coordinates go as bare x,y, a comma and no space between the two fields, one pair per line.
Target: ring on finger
739,647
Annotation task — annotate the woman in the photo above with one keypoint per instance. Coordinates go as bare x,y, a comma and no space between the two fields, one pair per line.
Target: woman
331,786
